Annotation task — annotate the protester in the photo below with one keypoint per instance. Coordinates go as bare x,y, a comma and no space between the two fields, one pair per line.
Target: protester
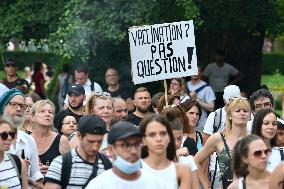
177,128
64,80
31,99
155,100
76,97
280,135
13,172
142,102
28,74
12,80
200,91
223,142
124,141
160,153
216,122
12,106
260,99
82,78
101,105
193,113
39,80
117,90
218,74
249,164
76,168
69,126
177,88
178,112
49,143
119,109
162,102
265,126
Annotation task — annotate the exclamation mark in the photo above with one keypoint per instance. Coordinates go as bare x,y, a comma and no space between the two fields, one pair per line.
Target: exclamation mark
189,56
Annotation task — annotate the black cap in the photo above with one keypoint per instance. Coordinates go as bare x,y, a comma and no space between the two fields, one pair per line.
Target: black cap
77,89
10,61
121,130
91,124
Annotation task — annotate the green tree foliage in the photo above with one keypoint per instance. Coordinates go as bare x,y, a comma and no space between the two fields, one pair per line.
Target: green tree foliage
26,19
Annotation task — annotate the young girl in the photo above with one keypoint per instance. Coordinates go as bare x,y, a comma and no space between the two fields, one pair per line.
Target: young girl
160,153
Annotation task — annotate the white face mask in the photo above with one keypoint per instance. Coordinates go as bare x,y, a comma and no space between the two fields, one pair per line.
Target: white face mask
126,166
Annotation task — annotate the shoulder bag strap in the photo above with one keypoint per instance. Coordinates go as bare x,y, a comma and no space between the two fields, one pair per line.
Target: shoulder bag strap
225,145
94,171
17,165
66,169
200,88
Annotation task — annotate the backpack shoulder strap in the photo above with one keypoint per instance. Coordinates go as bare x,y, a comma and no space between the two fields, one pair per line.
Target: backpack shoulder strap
281,154
66,169
17,165
92,86
106,162
217,120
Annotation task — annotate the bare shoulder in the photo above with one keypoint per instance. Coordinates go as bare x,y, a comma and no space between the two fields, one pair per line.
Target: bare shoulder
234,184
182,169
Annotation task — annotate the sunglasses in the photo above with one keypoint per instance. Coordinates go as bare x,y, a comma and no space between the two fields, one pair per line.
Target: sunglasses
4,135
259,153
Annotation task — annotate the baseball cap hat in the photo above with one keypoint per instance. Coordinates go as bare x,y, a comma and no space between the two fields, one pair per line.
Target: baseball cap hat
91,124
231,91
10,62
121,130
77,89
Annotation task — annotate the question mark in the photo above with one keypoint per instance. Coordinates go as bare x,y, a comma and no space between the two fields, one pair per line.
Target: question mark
186,25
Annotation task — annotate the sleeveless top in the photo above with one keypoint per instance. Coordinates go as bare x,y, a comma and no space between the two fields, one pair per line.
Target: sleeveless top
224,159
53,151
168,175
242,183
8,174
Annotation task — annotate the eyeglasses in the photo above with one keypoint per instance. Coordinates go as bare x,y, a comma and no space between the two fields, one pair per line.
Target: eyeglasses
29,106
73,122
258,153
4,135
15,105
264,105
128,146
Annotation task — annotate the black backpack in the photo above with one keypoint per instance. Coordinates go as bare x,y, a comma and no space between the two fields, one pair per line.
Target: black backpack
67,166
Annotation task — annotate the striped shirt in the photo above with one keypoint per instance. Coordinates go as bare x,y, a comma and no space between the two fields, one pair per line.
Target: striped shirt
8,174
80,171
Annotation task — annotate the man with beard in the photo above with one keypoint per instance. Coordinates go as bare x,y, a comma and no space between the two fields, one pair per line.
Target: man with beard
12,106
142,102
119,109
76,97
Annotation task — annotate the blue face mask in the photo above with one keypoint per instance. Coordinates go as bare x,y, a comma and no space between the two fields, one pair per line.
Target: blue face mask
125,166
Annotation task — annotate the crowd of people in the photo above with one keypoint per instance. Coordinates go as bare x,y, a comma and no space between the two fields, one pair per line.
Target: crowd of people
113,138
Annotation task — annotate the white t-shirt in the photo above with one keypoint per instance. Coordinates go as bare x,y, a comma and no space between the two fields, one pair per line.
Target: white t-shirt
188,160
88,90
219,76
208,127
109,180
274,158
205,95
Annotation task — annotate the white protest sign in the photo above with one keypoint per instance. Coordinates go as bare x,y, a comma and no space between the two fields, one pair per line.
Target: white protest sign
162,51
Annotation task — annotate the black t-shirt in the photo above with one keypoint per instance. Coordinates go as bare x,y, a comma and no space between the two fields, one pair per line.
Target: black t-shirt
121,92
132,118
190,144
61,115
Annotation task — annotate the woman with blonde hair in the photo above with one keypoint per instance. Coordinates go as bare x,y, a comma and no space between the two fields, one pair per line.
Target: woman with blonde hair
222,143
49,143
99,105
